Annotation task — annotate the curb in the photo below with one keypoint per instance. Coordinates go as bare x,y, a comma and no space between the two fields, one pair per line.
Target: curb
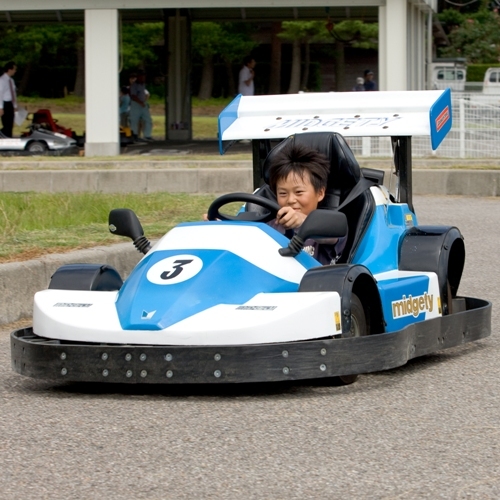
221,180
21,280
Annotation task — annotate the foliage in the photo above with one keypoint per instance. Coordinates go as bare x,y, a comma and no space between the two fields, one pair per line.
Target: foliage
477,37
28,44
475,72
206,38
137,44
236,42
355,32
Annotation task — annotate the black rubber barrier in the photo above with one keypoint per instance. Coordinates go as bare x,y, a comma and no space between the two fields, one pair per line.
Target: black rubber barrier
43,358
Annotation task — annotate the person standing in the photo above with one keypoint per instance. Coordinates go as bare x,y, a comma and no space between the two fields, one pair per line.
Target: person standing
370,84
8,98
124,106
360,85
139,108
246,77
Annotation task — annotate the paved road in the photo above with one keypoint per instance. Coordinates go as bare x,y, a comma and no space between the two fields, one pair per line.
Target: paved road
430,429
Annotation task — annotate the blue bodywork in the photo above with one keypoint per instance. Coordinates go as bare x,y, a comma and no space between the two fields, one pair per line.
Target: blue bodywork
227,278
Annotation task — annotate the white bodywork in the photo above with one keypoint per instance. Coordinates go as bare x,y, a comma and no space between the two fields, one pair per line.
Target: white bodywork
266,318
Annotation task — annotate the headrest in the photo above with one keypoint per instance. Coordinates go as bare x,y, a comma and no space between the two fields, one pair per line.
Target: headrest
344,169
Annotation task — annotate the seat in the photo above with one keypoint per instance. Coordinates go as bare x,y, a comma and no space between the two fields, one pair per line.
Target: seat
344,175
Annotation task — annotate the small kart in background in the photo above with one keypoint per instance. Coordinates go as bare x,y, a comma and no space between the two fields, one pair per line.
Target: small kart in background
37,140
232,300
44,119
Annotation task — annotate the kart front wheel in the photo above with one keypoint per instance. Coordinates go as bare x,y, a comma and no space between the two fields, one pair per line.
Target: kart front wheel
36,147
359,328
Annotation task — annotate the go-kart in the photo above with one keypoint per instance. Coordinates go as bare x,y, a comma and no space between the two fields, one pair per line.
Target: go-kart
233,300
37,140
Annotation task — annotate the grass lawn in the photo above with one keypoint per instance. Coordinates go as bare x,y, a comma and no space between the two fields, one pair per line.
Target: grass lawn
34,224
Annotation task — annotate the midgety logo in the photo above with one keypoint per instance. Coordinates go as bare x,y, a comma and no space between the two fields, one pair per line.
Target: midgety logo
412,306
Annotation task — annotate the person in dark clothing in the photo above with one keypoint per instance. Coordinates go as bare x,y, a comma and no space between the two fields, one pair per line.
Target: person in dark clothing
370,83
8,98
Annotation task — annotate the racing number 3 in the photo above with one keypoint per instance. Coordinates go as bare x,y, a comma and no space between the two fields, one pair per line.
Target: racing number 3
177,269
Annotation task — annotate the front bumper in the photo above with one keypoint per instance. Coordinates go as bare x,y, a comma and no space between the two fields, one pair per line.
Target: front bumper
44,358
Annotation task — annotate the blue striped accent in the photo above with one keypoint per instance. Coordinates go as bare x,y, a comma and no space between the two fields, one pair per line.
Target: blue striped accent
403,289
226,118
378,250
224,279
440,116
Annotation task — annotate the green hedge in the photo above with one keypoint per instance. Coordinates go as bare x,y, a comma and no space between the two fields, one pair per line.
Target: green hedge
475,72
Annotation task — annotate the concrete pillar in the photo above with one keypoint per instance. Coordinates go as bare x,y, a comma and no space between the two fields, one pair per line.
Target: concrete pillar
382,48
393,31
102,134
179,122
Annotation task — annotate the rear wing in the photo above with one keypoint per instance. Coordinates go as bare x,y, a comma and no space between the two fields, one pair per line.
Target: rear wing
352,114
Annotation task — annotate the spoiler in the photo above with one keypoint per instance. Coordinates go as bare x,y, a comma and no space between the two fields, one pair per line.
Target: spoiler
352,114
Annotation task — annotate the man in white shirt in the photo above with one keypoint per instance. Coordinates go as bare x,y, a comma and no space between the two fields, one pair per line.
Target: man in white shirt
8,98
245,81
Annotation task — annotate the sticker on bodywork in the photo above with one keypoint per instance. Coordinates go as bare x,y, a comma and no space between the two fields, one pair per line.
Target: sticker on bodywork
175,269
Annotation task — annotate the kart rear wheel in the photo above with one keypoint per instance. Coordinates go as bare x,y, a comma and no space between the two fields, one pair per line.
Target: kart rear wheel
359,328
36,147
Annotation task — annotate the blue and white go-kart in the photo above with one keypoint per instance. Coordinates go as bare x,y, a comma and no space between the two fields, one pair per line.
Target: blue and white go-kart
233,300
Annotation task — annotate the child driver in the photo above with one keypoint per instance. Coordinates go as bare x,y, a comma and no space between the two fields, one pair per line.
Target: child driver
298,177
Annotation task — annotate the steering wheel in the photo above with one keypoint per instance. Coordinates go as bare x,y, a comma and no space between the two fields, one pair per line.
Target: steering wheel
270,205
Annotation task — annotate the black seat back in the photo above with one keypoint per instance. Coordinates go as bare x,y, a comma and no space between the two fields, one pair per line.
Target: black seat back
344,174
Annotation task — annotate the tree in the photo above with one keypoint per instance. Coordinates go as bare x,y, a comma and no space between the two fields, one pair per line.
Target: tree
24,45
275,75
234,44
353,32
475,37
137,45
299,32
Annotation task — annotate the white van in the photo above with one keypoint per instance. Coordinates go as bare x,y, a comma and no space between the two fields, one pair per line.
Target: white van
491,82
449,74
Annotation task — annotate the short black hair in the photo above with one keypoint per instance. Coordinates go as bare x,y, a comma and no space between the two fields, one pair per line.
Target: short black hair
8,66
368,72
247,60
125,90
297,159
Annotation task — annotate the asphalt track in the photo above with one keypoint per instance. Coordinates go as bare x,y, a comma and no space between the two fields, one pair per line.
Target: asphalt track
430,429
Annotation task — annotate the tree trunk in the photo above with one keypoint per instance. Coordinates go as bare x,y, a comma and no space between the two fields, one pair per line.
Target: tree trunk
25,79
307,62
207,78
275,76
295,76
231,85
79,89
339,66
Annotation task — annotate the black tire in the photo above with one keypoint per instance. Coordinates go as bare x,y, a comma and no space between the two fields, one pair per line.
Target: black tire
36,147
359,328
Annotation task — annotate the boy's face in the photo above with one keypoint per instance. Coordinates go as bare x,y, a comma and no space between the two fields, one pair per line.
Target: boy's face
298,193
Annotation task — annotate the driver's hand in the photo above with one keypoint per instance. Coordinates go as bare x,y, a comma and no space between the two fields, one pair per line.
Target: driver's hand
205,217
290,218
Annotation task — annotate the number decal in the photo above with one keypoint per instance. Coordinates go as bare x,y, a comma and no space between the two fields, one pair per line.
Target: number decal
167,275
175,269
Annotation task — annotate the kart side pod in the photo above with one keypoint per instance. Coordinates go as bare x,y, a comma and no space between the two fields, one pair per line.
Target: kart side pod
348,279
93,277
437,249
